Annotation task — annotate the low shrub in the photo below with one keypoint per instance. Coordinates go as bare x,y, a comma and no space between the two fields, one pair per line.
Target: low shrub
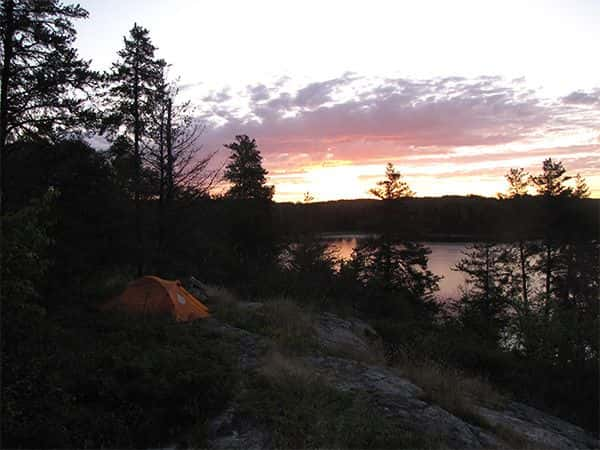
569,391
81,379
415,349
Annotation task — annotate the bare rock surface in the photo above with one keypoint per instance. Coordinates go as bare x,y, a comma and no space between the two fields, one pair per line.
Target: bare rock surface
351,337
250,346
542,429
390,394
232,430
397,398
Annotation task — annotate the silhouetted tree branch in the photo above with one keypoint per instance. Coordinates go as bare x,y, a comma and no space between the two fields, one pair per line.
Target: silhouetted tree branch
43,86
129,102
393,187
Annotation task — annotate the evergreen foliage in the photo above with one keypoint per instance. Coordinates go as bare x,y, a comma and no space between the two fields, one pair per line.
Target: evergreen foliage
393,186
483,305
551,182
245,171
43,79
129,101
44,85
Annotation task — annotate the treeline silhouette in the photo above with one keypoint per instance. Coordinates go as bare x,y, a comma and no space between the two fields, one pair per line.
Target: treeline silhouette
448,218
79,222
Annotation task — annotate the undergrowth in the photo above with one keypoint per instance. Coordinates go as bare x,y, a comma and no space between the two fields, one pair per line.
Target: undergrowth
81,379
302,411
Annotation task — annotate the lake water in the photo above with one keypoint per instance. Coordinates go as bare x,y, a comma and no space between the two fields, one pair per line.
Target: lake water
444,255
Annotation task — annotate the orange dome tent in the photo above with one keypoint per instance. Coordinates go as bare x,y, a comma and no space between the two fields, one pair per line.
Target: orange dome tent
153,295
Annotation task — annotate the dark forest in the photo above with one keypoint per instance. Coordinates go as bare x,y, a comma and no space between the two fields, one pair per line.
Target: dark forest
82,223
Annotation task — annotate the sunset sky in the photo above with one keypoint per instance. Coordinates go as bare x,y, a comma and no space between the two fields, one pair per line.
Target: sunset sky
454,93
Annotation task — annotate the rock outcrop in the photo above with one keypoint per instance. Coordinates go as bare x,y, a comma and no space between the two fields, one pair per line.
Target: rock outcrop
392,395
397,398
352,338
541,429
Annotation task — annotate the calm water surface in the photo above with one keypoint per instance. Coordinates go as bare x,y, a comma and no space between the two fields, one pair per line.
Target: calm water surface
444,255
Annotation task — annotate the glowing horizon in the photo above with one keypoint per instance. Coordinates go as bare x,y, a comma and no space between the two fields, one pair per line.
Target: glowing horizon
350,182
447,136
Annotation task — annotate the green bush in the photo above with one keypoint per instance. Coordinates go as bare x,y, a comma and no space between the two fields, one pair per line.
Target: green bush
25,244
569,391
81,379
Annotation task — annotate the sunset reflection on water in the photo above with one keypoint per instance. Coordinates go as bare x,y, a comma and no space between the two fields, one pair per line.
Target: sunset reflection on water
444,255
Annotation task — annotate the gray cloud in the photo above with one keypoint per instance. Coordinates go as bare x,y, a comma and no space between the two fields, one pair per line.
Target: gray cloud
318,93
393,118
583,98
448,112
259,92
217,96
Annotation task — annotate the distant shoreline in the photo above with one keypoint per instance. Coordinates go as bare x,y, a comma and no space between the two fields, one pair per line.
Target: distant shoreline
438,238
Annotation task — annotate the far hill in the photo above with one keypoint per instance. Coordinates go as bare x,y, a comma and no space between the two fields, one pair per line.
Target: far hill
444,218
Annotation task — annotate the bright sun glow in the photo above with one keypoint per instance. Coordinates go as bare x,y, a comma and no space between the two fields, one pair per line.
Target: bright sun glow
347,182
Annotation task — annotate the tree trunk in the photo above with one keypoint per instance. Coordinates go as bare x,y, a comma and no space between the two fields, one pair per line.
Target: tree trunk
161,195
137,172
7,42
524,315
548,280
569,278
523,276
170,156
487,284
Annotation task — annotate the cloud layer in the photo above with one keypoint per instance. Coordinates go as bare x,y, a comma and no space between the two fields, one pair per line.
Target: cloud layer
446,126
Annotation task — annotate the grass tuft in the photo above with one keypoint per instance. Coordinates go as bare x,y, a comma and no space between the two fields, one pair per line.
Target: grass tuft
302,411
453,390
513,440
289,327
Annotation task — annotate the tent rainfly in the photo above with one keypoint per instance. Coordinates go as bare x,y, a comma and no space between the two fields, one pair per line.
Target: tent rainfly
155,296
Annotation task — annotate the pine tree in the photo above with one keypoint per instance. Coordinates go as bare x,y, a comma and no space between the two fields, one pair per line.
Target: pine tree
483,303
120,156
393,187
130,104
245,171
396,266
518,183
252,233
551,182
43,81
391,267
310,264
581,188
517,260
558,262
551,185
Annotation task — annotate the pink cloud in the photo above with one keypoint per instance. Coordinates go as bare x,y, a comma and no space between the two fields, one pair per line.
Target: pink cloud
414,122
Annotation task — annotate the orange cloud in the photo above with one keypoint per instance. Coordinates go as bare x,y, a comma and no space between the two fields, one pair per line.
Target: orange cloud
447,136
